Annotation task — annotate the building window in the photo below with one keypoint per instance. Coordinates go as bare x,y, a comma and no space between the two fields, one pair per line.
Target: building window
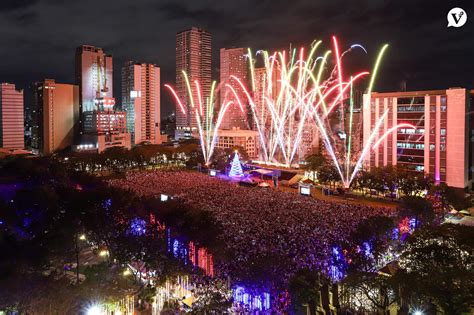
411,108
419,168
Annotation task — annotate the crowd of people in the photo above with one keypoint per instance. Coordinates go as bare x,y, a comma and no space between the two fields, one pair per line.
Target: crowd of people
259,222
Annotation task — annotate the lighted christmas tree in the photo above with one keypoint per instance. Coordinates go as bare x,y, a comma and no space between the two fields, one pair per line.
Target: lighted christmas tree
236,168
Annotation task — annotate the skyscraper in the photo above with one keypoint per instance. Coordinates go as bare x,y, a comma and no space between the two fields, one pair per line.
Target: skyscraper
55,114
12,132
233,64
101,125
141,101
193,55
93,75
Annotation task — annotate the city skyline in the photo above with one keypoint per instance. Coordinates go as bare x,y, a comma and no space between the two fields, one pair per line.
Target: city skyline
320,159
411,29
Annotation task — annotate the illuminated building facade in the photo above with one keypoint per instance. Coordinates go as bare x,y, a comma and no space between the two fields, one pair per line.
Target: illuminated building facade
247,139
262,90
141,101
193,56
12,130
101,126
439,146
233,63
55,114
105,127
94,73
261,84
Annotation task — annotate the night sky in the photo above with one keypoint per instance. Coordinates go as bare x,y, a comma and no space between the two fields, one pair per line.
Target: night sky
38,37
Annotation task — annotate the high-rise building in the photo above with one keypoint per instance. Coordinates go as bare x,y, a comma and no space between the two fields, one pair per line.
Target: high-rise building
94,73
259,97
101,125
141,101
54,116
440,145
12,130
193,55
233,63
264,87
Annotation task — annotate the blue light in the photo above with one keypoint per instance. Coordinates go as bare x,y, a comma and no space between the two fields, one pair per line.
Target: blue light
137,227
395,233
168,239
253,301
338,265
412,224
367,249
176,248
107,204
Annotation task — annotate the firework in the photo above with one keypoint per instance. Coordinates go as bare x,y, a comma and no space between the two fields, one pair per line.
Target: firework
208,118
294,91
301,89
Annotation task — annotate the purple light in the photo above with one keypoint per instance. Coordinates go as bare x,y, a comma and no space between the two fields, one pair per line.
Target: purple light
137,227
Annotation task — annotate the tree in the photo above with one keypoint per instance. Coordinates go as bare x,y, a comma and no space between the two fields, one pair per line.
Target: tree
419,208
304,288
213,297
328,174
436,264
372,238
458,198
366,251
315,161
236,167
243,156
412,183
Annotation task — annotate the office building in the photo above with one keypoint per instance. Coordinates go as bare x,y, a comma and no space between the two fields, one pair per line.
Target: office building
233,63
193,56
102,126
440,145
141,101
54,116
247,139
12,129
94,73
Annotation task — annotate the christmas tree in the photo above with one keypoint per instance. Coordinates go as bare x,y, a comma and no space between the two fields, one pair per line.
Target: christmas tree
236,168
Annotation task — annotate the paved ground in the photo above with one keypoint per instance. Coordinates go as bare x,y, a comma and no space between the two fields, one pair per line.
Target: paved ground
317,193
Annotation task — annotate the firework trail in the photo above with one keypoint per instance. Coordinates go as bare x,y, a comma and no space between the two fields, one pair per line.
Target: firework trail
294,91
209,117
293,95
